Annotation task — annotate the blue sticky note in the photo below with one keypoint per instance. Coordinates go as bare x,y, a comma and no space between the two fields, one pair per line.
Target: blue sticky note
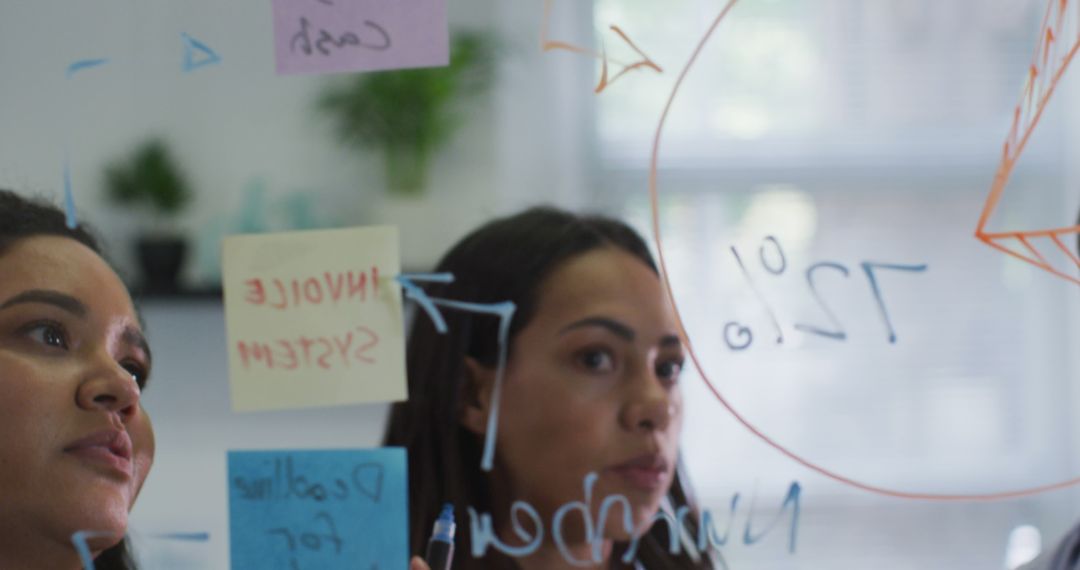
318,509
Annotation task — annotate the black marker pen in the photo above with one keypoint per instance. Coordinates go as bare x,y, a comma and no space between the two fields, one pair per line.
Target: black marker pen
440,549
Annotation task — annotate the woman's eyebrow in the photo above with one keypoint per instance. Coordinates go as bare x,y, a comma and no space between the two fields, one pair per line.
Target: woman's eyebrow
618,329
670,341
48,297
134,337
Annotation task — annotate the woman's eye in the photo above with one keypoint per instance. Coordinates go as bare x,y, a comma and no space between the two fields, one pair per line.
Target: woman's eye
597,360
138,373
669,370
48,334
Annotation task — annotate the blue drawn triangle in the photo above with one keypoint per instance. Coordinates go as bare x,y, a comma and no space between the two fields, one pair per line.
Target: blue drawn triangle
197,54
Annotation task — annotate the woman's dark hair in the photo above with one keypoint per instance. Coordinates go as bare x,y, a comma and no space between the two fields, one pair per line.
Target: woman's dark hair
506,260
22,218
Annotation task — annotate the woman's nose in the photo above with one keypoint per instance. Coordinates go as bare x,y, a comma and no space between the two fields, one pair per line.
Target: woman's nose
650,407
109,388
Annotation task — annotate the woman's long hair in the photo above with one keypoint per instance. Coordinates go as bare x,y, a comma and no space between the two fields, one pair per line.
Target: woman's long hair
505,260
21,218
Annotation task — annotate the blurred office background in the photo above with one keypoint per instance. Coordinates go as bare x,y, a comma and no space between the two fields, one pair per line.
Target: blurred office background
838,131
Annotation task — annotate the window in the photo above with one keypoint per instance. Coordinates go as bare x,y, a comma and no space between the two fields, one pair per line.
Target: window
850,132
799,81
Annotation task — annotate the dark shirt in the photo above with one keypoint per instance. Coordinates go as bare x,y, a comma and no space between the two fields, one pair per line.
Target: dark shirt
1064,556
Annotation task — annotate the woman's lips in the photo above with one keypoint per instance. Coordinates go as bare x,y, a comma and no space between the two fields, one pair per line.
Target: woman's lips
109,449
646,472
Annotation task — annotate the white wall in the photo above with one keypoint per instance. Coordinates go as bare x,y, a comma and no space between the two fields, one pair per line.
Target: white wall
237,124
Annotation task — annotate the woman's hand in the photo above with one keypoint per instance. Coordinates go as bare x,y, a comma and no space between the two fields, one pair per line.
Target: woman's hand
418,563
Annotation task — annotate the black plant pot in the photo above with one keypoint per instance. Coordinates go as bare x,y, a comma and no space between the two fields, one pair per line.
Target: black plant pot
160,259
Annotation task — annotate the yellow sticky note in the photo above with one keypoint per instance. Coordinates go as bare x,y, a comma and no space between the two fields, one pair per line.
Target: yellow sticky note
314,318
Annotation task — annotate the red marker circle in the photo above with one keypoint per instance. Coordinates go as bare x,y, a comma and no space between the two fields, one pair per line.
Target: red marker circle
654,198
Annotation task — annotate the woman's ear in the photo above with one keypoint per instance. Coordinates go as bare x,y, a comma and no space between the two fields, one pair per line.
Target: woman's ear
475,396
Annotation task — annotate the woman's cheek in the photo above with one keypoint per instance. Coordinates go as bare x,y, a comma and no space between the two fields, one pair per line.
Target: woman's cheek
145,448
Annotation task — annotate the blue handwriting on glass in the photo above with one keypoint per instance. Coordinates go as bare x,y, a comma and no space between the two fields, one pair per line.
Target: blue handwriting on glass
79,540
505,312
484,535
196,54
738,336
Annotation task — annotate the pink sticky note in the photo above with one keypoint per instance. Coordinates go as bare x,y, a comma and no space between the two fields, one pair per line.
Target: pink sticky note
332,36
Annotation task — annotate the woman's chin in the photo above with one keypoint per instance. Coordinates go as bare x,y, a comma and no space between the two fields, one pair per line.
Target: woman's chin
102,528
96,539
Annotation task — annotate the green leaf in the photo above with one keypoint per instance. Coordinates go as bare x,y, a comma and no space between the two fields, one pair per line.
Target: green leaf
415,109
149,177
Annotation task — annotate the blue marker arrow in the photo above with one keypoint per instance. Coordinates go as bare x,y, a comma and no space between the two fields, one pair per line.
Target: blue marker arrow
79,540
505,312
84,64
193,48
183,536
414,292
69,196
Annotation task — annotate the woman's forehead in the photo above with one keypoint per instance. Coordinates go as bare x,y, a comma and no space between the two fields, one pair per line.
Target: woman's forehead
63,265
600,280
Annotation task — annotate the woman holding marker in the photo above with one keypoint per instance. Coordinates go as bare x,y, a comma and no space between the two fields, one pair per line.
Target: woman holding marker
589,406
75,443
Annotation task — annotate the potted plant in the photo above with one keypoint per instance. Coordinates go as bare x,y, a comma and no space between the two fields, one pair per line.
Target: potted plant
408,114
149,181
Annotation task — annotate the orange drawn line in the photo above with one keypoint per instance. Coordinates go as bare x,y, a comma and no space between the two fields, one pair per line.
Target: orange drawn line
1049,43
553,45
1021,257
1014,131
1005,168
1065,276
603,83
646,60
1029,86
1034,233
1055,78
654,200
1033,74
1045,264
547,44
1067,251
1034,109
994,244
